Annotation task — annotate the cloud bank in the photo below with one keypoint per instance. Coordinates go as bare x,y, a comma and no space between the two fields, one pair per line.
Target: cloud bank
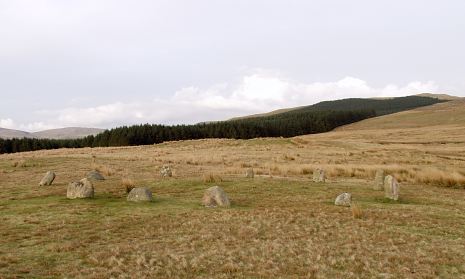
254,93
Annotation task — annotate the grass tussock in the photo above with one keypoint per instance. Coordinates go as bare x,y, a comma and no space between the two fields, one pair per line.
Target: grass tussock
24,164
128,184
105,170
211,178
356,210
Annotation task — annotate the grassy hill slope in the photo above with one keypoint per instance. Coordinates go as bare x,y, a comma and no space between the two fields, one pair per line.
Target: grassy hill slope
448,113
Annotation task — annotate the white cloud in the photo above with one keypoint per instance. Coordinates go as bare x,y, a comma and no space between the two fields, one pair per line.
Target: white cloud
254,93
7,123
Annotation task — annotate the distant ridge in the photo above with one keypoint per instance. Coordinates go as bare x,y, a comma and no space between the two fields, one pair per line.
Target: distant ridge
440,96
318,118
10,133
361,103
62,133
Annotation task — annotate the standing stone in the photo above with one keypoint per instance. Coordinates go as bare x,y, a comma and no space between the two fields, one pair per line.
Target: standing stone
166,171
80,189
47,179
215,196
319,175
391,188
379,180
249,173
140,194
95,175
344,199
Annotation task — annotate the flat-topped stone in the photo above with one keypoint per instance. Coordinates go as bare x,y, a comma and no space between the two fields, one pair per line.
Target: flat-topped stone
140,194
95,175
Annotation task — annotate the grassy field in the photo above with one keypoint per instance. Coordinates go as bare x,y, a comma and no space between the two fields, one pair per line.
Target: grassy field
280,224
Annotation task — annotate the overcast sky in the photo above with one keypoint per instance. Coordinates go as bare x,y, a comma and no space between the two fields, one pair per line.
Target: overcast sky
100,63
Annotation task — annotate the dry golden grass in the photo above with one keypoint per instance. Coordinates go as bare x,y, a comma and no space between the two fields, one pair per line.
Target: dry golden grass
128,184
356,210
105,170
280,224
211,178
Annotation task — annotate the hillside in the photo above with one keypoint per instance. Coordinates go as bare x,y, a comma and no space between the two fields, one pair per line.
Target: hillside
448,113
10,133
440,96
67,133
319,118
62,133
382,106
271,113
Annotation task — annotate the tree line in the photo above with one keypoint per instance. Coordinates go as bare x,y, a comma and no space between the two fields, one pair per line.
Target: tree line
287,124
318,118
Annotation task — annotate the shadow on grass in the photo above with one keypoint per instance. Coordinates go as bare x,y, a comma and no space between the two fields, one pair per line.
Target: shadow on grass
389,201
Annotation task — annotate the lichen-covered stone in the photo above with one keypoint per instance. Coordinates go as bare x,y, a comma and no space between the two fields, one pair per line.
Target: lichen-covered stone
80,190
391,188
344,199
249,173
95,175
215,196
47,179
319,175
379,180
140,194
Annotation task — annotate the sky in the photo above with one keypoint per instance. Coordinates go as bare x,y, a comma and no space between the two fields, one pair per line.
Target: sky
107,63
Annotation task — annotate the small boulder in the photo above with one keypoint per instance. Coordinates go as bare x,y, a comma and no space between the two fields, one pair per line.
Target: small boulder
391,188
379,180
215,196
80,190
319,175
95,175
344,199
140,194
47,179
249,173
165,171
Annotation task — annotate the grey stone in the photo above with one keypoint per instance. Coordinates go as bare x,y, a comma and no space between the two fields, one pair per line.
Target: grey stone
319,175
166,171
344,199
379,180
215,196
47,179
80,190
95,175
249,173
140,194
391,188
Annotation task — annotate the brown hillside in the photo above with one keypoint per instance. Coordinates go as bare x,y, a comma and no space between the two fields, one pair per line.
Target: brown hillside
449,113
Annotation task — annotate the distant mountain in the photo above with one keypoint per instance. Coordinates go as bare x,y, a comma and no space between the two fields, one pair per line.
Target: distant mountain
63,133
9,134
